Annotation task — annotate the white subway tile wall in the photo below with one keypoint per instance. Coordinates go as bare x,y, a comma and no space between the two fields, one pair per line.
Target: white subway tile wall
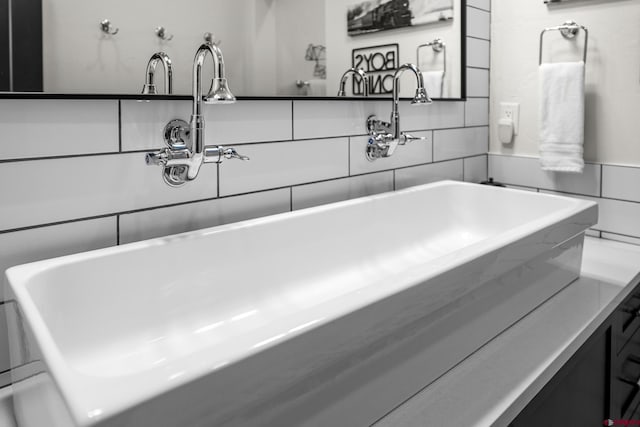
457,143
6,409
439,115
424,174
480,4
611,186
621,182
282,164
478,53
322,119
478,23
34,244
72,188
475,168
193,216
477,83
5,361
320,193
73,176
476,112
525,171
46,127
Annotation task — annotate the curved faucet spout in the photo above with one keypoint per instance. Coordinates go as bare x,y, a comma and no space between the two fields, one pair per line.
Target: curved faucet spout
215,96
149,84
421,97
363,78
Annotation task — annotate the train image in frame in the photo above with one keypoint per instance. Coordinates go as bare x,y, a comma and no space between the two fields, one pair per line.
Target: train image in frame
392,14
379,15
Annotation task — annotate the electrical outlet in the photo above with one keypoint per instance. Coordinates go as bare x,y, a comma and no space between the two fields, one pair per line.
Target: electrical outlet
511,110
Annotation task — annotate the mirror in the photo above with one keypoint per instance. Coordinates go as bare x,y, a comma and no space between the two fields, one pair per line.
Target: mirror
272,48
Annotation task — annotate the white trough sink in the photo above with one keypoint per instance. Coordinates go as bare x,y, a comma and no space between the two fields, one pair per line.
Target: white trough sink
253,323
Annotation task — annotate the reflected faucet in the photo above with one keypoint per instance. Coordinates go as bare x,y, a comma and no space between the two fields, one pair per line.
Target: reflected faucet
386,136
363,78
149,84
185,151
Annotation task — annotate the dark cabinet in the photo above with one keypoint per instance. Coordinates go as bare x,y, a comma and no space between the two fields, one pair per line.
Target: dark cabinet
600,381
578,394
625,374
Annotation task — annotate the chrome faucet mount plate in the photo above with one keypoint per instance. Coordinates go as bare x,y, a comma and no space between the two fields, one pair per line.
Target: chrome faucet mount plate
179,162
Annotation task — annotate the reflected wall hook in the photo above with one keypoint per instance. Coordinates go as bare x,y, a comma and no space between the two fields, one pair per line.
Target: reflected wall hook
210,38
107,28
162,34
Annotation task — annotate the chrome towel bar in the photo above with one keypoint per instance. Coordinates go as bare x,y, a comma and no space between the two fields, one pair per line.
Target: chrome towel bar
569,30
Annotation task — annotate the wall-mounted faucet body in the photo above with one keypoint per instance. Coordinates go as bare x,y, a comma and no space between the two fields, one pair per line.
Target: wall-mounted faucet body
386,136
149,83
356,72
185,151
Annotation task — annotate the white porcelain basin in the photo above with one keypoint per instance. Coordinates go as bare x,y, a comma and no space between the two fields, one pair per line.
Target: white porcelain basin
219,325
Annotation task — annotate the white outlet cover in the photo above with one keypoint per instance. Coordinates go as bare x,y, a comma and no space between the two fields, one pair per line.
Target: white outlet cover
511,110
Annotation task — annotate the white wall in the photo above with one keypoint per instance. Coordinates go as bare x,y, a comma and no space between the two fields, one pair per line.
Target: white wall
299,23
612,72
340,45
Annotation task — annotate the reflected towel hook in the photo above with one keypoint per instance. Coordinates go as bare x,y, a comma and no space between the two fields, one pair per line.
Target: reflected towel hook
162,34
107,28
438,45
210,38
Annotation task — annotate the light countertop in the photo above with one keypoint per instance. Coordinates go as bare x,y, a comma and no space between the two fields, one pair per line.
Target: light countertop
494,384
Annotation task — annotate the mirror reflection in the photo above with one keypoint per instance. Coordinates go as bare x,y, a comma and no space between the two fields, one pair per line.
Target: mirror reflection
285,48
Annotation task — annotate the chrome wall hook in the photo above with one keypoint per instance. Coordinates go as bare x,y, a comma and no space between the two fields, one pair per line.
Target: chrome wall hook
161,32
569,29
210,38
107,28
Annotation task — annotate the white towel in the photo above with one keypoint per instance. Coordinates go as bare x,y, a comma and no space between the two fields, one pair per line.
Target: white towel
433,81
562,116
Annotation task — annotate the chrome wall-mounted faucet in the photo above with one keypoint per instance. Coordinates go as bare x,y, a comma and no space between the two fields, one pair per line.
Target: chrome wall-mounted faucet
185,151
356,72
149,83
384,137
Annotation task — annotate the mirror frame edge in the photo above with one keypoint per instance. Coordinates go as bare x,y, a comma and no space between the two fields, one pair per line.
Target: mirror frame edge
142,97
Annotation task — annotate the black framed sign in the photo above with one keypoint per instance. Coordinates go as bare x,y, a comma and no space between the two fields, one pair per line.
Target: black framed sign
380,63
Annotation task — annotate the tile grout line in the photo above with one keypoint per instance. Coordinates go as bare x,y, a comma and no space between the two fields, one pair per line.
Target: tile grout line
349,156
292,121
119,126
601,178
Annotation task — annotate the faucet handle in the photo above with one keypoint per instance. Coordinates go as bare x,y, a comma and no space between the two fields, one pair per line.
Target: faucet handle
216,153
157,158
376,126
231,153
406,137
